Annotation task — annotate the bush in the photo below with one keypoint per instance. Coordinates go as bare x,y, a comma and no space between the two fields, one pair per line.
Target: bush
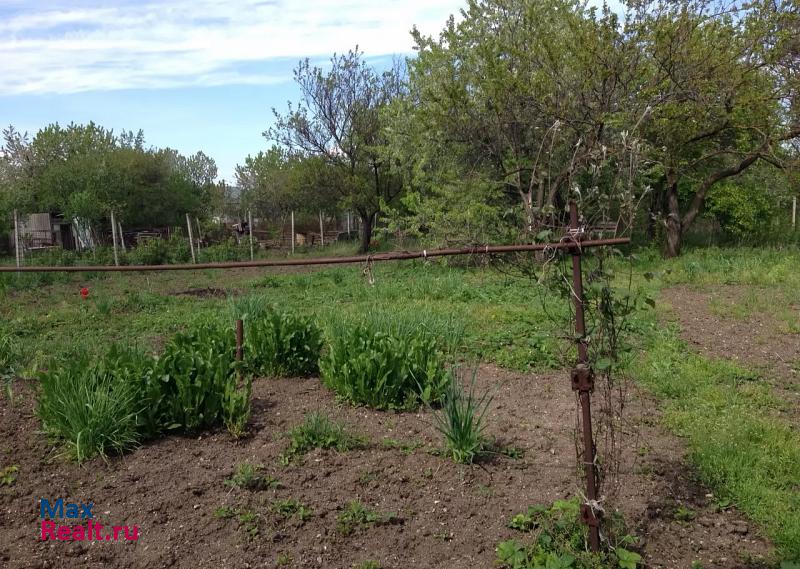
277,343
174,250
460,420
227,251
382,370
94,407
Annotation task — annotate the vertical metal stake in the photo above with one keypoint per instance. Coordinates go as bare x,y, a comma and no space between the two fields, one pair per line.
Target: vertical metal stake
582,371
191,237
250,227
114,237
293,232
16,236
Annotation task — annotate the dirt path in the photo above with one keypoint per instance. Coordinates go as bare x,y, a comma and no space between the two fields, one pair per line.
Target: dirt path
447,516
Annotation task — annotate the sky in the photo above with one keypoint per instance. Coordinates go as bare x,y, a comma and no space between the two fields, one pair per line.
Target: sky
192,74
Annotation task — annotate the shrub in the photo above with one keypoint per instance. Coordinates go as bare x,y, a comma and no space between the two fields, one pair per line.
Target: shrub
228,250
160,252
278,343
461,420
93,407
382,370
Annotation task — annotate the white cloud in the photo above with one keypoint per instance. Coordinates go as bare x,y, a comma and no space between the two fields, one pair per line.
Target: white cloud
79,46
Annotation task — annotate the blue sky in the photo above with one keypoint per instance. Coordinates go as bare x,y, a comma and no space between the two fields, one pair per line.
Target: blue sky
193,74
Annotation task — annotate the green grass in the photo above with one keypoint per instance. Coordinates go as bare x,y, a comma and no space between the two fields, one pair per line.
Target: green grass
742,450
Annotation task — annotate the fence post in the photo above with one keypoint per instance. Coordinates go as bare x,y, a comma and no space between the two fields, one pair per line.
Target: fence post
121,237
321,231
794,213
292,232
16,235
191,237
583,383
114,237
250,227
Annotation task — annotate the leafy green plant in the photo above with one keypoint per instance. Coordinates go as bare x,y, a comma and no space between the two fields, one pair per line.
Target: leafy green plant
8,475
318,431
248,476
191,378
560,542
461,420
357,515
224,512
282,344
236,405
289,507
383,371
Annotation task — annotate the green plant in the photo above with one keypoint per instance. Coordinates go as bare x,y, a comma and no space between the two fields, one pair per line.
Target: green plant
283,560
224,512
356,515
93,406
248,476
248,521
461,420
8,475
280,343
383,371
318,431
559,541
189,384
236,405
684,514
289,507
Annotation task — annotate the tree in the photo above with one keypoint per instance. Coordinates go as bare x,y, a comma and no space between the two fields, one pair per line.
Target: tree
721,79
525,98
339,122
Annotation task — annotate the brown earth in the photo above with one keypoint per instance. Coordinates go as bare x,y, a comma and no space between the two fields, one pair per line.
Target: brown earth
757,342
446,515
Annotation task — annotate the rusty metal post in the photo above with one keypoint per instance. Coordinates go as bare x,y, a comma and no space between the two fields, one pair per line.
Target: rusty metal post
239,339
583,383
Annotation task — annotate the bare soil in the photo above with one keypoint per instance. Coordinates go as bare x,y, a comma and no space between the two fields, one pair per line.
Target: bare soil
446,515
757,342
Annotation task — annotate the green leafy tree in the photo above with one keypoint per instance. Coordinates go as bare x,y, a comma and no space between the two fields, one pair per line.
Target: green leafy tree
339,122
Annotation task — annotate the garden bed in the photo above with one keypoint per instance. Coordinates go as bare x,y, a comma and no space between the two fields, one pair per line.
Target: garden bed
430,511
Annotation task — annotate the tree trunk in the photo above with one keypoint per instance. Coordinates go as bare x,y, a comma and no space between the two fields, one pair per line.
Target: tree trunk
366,231
674,229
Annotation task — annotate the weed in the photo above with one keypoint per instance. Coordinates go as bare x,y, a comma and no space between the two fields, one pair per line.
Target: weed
8,475
406,447
247,476
367,564
461,420
684,514
319,431
560,542
224,512
283,560
248,521
289,507
357,515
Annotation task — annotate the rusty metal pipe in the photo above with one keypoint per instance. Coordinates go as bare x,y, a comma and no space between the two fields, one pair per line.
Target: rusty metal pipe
395,256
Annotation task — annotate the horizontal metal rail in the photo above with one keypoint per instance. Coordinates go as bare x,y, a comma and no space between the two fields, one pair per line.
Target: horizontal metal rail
394,256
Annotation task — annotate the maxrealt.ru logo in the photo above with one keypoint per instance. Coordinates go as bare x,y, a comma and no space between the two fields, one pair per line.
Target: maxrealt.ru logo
77,523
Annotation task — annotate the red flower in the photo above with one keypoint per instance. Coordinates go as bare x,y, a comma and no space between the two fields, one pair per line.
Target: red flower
85,293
